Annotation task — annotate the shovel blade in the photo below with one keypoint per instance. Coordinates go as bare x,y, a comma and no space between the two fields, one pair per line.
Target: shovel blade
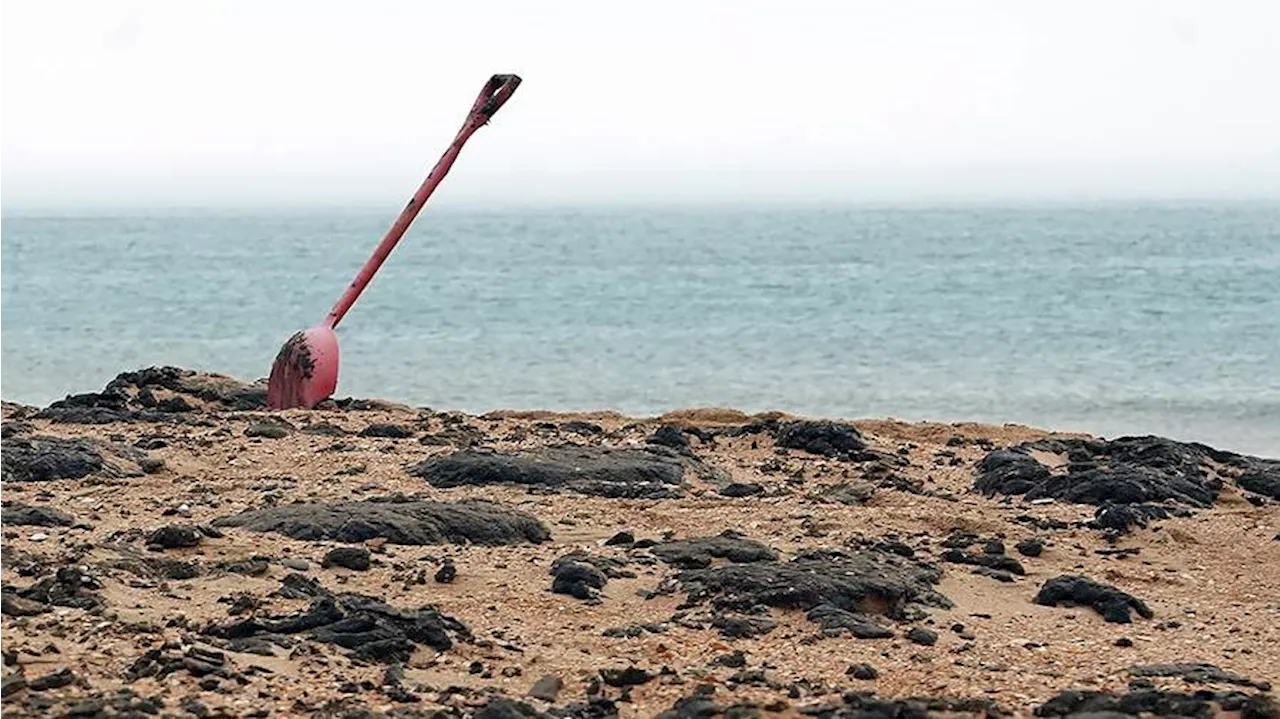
306,370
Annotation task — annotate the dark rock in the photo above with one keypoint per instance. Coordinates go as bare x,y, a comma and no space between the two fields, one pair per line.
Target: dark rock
547,688
867,582
669,435
500,707
1197,673
736,660
577,578
128,392
628,677
1264,480
835,621
893,546
399,522
39,458
446,573
1152,702
177,569
738,626
578,426
922,636
864,705
325,429
354,558
652,472
268,430
999,575
130,397
855,493
1121,518
700,704
699,552
150,465
1123,642
12,605
960,540
1113,604
387,430
13,683
295,563
830,439
741,489
1001,562
56,680
69,587
372,629
171,536
1030,547
993,546
621,538
1127,470
862,671
18,514
247,567
9,430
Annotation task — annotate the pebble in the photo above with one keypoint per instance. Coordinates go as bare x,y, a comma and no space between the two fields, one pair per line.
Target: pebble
301,565
547,688
354,558
1030,547
922,636
863,671
446,573
38,537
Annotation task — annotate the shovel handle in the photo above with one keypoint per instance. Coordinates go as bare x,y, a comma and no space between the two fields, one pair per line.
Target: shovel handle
496,92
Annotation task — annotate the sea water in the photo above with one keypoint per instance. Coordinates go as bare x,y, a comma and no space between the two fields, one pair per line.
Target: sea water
1110,318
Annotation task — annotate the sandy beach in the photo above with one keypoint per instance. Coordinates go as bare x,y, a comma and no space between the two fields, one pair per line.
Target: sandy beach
171,548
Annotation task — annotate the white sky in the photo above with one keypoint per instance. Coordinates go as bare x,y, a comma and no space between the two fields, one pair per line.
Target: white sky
135,103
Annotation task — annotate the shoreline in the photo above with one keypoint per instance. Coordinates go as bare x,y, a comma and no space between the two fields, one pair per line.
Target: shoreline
624,562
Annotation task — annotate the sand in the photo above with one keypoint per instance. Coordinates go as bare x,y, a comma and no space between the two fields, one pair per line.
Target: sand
1211,578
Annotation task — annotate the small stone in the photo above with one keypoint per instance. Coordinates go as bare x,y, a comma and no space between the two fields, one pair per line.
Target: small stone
56,680
354,558
13,682
1124,642
446,573
621,538
547,688
300,565
14,606
922,636
741,489
510,672
994,546
736,660
387,430
38,537
171,536
475,668
862,671
269,430
628,677
151,465
1030,547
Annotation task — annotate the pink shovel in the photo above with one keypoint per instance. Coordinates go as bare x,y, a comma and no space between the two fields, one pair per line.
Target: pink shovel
306,369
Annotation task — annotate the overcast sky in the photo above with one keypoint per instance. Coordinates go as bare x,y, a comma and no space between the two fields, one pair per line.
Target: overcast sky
136,103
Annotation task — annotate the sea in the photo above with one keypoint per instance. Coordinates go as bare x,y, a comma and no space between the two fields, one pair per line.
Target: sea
1109,318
